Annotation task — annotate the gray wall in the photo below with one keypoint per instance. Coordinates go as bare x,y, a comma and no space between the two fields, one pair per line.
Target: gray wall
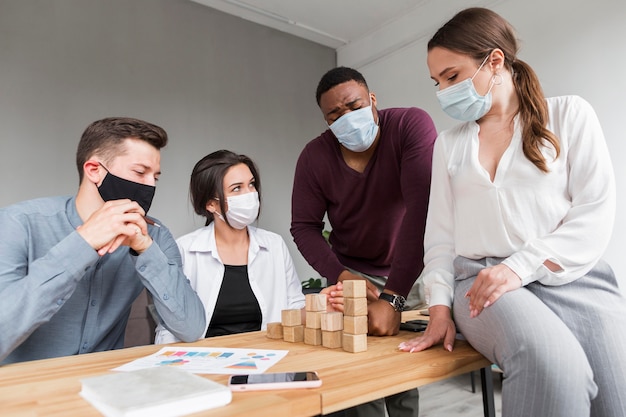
575,46
215,81
211,80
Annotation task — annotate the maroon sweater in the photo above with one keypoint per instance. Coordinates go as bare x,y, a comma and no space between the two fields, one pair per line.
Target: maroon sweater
378,216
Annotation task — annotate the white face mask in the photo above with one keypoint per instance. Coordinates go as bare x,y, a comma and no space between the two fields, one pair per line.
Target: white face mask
462,102
243,210
356,130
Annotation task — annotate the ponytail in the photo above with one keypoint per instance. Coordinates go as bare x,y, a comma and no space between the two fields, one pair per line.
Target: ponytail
534,115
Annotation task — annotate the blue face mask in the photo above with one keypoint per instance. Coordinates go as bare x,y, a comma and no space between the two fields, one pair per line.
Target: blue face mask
462,102
356,130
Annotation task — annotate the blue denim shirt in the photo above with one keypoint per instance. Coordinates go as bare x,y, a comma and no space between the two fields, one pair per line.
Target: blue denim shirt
58,297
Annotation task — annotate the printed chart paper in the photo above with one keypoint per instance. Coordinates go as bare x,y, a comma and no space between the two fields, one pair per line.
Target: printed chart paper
199,360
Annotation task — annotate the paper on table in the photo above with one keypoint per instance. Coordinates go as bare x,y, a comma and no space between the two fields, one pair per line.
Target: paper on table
199,360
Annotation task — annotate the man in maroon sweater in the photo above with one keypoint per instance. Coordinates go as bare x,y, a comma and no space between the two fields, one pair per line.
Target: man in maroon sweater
370,173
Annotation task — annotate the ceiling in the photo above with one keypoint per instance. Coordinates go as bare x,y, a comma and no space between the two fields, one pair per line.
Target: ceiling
333,23
361,31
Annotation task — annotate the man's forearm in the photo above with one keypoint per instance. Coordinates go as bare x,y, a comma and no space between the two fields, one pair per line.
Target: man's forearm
176,302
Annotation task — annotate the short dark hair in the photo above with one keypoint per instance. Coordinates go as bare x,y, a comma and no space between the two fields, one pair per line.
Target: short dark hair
105,138
207,180
338,76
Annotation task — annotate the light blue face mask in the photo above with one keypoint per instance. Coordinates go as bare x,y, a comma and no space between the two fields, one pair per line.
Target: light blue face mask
462,102
356,130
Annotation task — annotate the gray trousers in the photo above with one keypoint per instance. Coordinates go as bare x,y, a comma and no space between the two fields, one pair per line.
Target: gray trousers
562,348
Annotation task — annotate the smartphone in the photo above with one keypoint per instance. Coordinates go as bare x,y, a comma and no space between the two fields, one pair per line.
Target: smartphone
414,325
276,380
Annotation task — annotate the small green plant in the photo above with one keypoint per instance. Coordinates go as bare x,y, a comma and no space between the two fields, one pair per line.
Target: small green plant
312,283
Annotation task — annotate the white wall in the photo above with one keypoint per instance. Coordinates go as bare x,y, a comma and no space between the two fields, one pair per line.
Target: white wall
212,80
575,46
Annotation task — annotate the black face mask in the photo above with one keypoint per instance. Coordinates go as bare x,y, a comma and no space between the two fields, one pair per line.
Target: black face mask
116,188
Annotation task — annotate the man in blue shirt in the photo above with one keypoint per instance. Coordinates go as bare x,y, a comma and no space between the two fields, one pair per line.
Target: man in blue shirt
71,267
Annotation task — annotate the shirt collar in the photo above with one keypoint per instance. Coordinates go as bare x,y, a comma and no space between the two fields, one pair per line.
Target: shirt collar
72,213
205,240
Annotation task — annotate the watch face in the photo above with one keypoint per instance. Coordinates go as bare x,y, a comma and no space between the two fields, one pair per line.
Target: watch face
397,301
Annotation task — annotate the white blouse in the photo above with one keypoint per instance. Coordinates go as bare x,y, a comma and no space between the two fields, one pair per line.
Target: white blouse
524,215
271,272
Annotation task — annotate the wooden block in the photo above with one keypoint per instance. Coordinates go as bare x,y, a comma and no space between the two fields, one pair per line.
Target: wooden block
274,330
315,302
312,336
354,288
291,317
314,319
293,334
354,306
355,324
331,340
354,342
332,321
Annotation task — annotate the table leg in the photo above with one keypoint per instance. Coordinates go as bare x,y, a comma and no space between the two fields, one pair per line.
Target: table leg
486,377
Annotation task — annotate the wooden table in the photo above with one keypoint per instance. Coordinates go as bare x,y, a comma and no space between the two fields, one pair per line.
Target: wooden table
50,387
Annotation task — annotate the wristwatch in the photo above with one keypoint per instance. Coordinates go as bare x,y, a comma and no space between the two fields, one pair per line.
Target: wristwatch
396,301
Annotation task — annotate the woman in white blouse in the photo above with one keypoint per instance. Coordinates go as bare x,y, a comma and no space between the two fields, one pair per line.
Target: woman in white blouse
244,275
521,210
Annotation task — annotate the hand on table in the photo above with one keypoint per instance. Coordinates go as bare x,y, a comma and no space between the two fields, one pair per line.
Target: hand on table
117,223
440,328
382,319
490,284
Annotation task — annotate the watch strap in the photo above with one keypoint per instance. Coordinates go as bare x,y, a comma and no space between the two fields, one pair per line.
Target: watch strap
396,301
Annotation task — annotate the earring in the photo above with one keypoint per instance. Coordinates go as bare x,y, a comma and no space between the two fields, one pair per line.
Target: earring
497,79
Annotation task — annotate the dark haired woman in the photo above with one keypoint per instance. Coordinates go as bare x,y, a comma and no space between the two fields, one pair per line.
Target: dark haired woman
244,275
521,210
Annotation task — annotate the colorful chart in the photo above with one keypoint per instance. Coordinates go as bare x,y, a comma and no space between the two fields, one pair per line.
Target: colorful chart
175,362
243,365
210,360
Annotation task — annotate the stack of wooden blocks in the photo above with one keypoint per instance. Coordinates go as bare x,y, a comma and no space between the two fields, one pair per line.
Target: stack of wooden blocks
355,316
329,329
315,306
293,330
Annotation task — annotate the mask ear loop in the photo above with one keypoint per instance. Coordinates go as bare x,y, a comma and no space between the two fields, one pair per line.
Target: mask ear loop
481,65
214,214
107,172
371,106
492,83
495,80
105,168
220,216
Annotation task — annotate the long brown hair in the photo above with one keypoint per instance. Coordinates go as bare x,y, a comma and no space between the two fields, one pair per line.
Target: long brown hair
477,32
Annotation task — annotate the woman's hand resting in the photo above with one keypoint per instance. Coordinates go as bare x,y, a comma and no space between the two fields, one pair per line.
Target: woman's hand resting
440,328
